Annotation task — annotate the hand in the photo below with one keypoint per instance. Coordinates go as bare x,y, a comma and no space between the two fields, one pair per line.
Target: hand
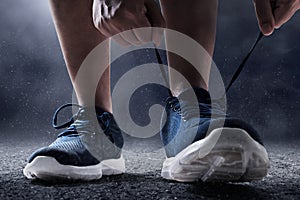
270,17
115,16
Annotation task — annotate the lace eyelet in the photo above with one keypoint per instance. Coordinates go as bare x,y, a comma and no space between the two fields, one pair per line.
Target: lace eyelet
177,109
183,117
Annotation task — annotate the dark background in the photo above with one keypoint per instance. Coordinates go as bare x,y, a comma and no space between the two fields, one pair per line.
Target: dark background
34,79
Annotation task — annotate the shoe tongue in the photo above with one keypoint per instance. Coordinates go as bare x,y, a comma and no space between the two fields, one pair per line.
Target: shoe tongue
96,113
201,94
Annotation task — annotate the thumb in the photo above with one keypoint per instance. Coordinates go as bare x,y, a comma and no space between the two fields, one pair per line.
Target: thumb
265,16
282,14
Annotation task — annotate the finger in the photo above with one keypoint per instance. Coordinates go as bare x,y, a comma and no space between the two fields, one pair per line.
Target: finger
265,16
109,27
144,32
117,36
103,29
121,41
130,37
283,13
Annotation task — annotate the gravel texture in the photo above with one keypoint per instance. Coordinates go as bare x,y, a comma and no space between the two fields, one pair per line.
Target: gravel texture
142,179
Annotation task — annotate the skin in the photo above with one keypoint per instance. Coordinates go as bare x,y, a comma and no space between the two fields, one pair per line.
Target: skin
273,18
78,36
82,25
130,14
205,16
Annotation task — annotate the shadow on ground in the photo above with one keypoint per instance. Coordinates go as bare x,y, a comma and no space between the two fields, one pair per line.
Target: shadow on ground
137,186
142,179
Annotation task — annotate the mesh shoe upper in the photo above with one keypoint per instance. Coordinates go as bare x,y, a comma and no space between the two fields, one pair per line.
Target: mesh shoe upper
84,142
185,125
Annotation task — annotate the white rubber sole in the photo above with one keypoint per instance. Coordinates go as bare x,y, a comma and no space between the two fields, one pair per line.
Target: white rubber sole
47,168
226,154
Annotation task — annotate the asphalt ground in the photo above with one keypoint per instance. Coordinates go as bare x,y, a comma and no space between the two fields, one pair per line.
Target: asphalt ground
142,178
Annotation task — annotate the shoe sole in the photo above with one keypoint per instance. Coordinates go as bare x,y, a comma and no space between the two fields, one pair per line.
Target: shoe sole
47,168
226,154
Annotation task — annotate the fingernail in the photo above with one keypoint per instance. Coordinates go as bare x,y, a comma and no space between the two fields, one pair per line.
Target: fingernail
277,26
267,29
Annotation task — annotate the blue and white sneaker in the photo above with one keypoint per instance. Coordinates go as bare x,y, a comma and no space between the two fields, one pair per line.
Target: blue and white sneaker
209,146
89,148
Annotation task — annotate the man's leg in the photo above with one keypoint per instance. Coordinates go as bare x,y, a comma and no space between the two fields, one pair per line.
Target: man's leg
78,37
81,151
207,145
197,19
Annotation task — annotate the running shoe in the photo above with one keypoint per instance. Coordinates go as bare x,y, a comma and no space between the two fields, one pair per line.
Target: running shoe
89,148
203,143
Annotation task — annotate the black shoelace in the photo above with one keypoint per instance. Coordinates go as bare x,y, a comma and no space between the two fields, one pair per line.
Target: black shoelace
80,120
70,121
237,72
234,77
164,75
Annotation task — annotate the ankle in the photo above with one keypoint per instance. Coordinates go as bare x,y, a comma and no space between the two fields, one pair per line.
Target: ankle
202,95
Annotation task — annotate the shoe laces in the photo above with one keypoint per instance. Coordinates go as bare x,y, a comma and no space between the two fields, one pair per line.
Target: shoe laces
81,122
188,110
